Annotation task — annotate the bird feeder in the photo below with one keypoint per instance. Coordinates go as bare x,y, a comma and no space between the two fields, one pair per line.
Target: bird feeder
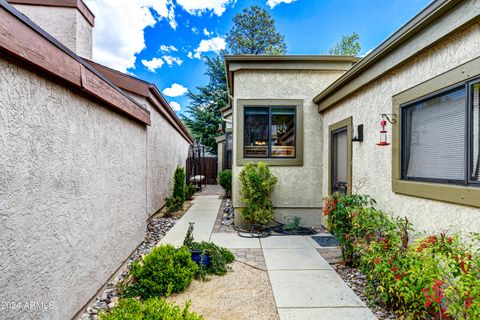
383,134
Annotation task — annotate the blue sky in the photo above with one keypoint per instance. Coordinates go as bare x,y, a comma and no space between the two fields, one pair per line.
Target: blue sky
179,27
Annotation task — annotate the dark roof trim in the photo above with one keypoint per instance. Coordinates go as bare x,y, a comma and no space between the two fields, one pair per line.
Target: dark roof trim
428,27
78,4
147,90
23,39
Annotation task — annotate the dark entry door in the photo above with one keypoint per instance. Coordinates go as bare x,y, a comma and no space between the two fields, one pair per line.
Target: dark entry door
339,154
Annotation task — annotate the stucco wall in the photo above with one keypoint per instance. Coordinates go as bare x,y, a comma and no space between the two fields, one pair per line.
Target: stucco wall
372,166
299,188
72,193
67,25
167,149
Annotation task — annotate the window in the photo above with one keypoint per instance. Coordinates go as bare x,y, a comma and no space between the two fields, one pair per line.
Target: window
269,132
228,151
440,137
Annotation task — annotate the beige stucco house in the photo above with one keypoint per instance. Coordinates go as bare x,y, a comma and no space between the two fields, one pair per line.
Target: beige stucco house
87,154
317,121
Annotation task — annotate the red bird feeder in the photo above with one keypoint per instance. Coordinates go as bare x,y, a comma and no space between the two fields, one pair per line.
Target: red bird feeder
383,134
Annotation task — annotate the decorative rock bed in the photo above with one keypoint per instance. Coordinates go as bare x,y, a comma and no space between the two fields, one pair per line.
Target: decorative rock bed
357,281
156,230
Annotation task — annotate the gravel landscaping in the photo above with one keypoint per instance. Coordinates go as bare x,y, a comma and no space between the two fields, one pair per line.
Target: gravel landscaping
242,294
356,280
157,227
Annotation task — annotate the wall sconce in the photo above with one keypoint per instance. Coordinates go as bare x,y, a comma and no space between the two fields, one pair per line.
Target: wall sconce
357,135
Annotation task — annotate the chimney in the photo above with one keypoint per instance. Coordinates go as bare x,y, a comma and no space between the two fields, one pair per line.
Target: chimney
69,21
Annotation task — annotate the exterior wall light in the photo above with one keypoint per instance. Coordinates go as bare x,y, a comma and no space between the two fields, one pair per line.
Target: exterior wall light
357,135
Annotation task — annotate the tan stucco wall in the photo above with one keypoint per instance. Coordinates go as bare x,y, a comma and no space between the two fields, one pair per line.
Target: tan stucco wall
167,149
299,189
372,167
67,25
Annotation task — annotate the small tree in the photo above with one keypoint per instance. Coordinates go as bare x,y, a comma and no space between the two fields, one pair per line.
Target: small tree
257,183
349,45
179,184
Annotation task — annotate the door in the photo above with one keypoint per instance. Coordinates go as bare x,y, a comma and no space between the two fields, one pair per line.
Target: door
339,167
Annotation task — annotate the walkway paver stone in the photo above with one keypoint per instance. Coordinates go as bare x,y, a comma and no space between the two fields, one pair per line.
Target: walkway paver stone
294,259
233,241
326,314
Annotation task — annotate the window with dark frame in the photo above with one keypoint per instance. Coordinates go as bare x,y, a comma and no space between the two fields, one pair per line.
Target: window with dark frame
440,137
269,132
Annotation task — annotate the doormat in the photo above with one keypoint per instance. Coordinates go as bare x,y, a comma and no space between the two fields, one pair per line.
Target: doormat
326,241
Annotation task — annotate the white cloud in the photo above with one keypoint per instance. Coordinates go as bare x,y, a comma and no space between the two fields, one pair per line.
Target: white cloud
119,28
206,32
273,3
175,90
153,65
175,106
198,7
171,60
211,45
194,30
190,54
166,49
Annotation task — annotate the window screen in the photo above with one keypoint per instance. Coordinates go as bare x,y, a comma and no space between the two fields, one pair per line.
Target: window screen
269,132
256,132
475,154
434,138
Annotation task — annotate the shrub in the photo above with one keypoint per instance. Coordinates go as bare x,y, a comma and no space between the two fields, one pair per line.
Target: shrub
179,184
219,257
151,309
435,277
173,204
162,272
257,183
225,181
190,190
337,209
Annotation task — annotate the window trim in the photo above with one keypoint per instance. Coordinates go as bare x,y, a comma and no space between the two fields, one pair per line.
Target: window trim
275,161
469,195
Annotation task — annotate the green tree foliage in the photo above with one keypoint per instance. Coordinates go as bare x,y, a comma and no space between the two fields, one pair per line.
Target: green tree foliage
254,32
203,115
179,184
257,183
349,45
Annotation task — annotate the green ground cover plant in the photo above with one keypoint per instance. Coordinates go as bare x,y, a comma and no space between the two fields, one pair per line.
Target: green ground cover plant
190,190
257,184
151,309
433,277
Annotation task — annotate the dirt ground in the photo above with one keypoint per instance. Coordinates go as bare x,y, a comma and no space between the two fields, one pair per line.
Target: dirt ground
243,293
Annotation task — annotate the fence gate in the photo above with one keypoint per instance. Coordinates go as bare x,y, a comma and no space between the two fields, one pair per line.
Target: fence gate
200,165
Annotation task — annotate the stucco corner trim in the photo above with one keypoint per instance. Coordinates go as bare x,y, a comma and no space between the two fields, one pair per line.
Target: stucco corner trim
241,104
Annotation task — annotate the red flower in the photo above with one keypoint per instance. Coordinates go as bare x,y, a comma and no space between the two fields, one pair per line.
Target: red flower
468,302
378,260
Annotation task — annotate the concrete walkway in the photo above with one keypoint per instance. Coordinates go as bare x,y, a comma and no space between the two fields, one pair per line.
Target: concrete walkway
304,285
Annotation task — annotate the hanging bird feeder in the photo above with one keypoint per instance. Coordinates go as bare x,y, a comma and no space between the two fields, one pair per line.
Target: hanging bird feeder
384,133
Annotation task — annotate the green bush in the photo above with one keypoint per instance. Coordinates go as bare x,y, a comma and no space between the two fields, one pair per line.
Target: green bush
219,257
162,272
151,309
257,183
173,204
435,277
225,181
179,184
190,190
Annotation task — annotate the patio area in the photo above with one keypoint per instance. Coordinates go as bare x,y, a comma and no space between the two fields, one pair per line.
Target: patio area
303,283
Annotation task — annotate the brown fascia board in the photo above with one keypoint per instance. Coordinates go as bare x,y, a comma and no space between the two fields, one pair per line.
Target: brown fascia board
78,4
146,90
331,95
22,39
286,62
